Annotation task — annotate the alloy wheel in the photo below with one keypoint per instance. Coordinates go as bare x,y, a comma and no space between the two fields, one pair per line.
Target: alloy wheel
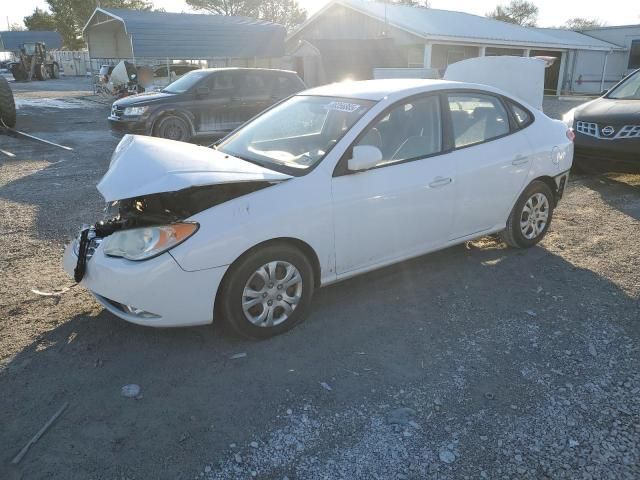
534,216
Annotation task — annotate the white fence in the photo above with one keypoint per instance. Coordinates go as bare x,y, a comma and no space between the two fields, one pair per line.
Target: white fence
73,63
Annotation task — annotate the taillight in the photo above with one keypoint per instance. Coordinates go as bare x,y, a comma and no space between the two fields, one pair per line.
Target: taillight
571,135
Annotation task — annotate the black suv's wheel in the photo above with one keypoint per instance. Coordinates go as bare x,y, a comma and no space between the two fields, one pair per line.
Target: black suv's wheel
173,127
7,105
530,217
267,292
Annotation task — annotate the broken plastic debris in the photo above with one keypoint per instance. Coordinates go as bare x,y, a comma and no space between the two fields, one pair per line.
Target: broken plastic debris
326,386
130,391
238,355
50,294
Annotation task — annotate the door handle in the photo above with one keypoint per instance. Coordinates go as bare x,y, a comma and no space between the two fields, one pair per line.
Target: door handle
440,182
520,160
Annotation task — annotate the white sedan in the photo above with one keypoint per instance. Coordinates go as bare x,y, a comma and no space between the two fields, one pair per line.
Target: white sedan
331,183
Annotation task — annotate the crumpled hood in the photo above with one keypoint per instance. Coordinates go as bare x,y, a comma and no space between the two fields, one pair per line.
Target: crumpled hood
144,165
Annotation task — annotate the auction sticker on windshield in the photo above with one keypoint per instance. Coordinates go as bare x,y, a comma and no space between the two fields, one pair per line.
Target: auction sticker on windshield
343,107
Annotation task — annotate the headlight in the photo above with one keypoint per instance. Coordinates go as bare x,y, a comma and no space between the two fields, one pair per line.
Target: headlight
148,242
135,111
569,117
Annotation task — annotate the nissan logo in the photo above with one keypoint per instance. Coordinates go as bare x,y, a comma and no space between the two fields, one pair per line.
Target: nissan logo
607,131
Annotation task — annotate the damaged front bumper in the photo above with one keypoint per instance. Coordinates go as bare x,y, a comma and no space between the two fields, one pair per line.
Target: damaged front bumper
155,292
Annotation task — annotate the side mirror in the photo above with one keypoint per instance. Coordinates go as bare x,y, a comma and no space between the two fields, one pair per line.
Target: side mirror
202,91
364,157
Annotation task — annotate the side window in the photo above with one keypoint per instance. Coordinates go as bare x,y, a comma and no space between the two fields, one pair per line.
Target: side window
284,85
477,118
523,118
221,82
409,131
253,85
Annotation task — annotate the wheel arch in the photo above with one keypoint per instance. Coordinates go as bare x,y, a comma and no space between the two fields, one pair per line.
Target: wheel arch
551,183
306,249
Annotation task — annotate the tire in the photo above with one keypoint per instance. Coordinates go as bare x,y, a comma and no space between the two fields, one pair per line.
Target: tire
7,104
54,71
18,73
41,72
523,231
234,305
173,127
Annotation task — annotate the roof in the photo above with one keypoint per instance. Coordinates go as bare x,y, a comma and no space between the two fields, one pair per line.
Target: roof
376,90
12,41
445,25
194,36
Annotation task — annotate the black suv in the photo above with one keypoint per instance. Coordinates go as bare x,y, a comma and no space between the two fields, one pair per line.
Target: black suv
210,102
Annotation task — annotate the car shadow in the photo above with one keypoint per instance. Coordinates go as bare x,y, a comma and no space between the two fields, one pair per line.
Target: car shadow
619,191
478,312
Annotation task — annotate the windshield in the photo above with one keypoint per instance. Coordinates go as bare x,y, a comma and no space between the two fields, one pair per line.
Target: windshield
297,134
185,82
628,90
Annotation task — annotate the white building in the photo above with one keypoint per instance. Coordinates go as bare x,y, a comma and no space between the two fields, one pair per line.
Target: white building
362,39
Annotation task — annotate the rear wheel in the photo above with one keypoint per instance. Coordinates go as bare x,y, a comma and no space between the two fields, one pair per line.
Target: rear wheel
173,127
531,216
267,292
7,104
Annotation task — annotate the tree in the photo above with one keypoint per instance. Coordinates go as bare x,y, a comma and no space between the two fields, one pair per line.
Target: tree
284,12
225,7
581,23
68,17
410,3
520,12
40,20
16,27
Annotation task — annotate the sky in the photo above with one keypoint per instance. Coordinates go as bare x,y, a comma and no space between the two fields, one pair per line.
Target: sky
551,12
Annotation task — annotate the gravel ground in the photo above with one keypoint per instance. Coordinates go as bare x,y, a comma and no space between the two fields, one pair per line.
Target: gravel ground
476,362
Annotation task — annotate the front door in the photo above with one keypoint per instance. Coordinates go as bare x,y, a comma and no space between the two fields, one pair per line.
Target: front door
403,206
213,112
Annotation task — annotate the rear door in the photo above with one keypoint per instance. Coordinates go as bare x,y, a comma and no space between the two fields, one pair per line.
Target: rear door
492,157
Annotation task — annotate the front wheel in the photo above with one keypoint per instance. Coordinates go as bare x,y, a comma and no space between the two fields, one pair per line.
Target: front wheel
267,292
173,127
55,71
531,216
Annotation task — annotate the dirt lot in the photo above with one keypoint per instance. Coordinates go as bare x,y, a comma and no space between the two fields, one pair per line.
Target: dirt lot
475,362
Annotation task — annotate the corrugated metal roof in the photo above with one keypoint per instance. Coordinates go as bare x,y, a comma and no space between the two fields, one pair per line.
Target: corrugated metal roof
192,36
12,41
446,25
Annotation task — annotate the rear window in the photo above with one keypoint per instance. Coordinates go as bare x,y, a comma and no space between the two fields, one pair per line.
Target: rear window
523,118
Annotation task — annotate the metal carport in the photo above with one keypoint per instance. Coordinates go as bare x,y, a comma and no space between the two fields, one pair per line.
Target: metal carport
135,35
12,41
